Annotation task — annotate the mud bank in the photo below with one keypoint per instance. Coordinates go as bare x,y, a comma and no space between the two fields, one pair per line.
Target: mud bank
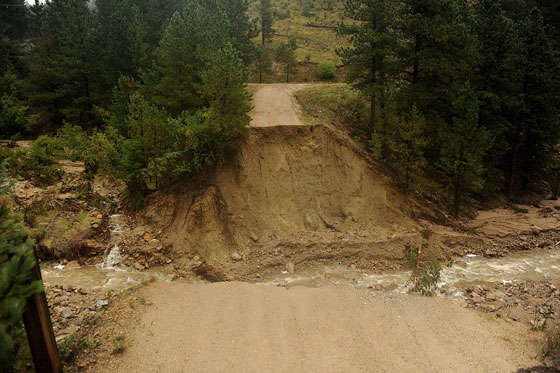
305,188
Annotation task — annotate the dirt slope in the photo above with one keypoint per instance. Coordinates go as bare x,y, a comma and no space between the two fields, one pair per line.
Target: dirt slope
290,185
237,327
304,189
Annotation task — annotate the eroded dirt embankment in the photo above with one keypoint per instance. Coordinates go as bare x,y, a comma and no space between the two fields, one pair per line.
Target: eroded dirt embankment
301,192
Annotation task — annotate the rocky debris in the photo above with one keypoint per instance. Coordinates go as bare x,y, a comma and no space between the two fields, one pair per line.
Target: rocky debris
498,247
213,274
141,249
528,302
236,257
71,306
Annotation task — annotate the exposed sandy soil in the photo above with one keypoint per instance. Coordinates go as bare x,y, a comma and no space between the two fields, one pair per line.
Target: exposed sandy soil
304,188
503,222
274,104
238,327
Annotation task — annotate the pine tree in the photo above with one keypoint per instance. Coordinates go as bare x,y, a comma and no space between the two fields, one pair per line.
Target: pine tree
224,86
286,54
240,29
265,12
535,131
263,61
436,55
408,148
464,146
189,38
17,262
496,82
370,56
121,43
13,19
62,67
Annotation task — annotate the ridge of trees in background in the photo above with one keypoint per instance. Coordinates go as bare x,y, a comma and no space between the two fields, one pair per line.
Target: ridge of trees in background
464,92
149,90
483,76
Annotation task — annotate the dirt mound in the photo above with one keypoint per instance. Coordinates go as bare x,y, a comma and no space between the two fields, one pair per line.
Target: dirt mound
296,185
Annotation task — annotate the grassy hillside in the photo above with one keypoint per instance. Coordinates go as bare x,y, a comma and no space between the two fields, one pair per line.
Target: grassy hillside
313,24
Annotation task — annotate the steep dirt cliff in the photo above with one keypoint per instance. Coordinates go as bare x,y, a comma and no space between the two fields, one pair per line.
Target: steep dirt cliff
289,186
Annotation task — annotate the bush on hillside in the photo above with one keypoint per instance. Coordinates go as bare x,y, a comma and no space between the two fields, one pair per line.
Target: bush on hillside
551,347
326,70
38,163
16,265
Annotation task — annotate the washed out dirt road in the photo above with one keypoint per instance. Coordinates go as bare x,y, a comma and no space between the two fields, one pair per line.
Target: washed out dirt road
274,105
237,327
241,327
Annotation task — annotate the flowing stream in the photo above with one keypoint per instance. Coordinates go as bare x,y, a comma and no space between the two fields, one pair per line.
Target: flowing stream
538,265
109,275
470,270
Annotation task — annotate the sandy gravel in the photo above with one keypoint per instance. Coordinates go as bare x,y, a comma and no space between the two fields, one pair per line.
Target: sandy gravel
238,327
273,104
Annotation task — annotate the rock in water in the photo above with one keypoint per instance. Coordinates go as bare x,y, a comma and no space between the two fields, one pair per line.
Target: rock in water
290,267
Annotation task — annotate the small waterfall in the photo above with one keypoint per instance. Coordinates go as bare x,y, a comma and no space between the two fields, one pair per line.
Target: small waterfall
113,258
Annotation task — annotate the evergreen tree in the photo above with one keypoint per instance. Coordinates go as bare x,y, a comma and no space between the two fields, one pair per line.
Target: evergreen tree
437,59
286,54
188,39
263,61
224,87
408,148
240,29
535,131
265,11
13,19
496,82
121,43
62,67
14,118
370,56
464,146
17,262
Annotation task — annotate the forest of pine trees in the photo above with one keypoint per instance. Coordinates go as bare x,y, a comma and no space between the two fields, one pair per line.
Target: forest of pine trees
466,91
484,76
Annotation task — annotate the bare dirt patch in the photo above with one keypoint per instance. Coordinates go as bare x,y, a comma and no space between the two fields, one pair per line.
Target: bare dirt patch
274,104
300,189
251,328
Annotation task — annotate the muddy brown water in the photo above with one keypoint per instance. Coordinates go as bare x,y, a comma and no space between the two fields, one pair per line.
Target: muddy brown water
109,275
536,266
473,270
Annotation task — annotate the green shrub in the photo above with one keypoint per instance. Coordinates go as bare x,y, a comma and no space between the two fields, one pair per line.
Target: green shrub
16,265
71,346
426,272
551,348
337,105
73,140
44,150
326,70
37,163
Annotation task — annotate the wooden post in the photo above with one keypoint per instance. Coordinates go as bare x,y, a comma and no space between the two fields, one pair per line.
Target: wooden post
39,330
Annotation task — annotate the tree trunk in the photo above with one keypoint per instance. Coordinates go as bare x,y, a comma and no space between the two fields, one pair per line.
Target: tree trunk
371,127
512,175
416,68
